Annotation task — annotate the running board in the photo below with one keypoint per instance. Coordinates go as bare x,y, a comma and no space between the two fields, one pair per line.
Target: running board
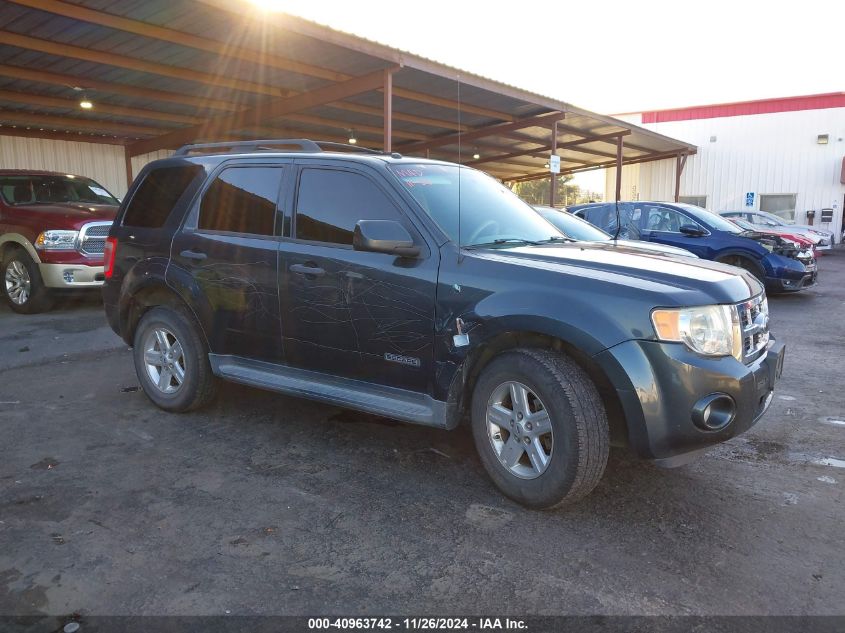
390,402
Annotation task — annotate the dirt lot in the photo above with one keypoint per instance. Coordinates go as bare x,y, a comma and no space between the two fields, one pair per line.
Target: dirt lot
271,505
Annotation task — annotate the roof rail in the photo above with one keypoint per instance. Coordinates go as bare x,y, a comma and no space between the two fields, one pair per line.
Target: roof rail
234,147
269,145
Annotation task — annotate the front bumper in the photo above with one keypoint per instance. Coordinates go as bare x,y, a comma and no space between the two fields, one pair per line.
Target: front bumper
71,275
663,382
809,279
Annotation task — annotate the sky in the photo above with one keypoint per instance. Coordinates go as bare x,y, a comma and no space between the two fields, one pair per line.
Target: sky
613,57
608,56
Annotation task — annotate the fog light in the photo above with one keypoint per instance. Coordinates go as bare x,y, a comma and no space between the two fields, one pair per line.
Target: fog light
714,412
68,276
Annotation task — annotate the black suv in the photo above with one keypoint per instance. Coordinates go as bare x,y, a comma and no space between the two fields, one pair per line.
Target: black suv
428,292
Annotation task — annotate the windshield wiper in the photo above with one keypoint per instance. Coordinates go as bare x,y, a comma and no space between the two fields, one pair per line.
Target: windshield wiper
557,238
505,240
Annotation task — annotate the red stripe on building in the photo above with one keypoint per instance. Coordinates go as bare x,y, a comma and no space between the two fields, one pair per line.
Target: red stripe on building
765,106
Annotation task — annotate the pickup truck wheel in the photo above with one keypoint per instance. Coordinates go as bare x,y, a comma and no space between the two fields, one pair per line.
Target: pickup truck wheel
23,287
171,360
540,428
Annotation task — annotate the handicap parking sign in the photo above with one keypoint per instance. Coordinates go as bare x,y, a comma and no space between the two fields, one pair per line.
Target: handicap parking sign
749,199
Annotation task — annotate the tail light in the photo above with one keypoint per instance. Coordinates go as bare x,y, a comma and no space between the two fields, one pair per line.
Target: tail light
109,253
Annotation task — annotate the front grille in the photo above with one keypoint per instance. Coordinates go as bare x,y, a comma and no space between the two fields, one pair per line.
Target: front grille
92,238
754,325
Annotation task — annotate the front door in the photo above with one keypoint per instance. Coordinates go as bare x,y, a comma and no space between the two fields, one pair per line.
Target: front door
229,246
663,224
362,315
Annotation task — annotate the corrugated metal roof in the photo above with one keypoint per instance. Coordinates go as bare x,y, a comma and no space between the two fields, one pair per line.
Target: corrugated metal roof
184,74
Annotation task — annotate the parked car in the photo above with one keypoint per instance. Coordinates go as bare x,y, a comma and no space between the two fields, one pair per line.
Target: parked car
795,240
823,239
428,292
53,229
581,230
710,236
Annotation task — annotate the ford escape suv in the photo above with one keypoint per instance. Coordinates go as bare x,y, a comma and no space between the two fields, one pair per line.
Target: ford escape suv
53,231
429,293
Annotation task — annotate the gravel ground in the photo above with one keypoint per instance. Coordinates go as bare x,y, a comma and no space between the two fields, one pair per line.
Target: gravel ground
265,504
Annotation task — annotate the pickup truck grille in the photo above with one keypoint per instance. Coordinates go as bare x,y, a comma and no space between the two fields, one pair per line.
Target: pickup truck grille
92,238
754,325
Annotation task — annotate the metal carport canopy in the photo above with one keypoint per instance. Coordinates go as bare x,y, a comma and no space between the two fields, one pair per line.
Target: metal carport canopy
162,73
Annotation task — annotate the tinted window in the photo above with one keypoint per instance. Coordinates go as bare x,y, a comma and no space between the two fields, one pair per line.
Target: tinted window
53,189
241,200
156,196
331,202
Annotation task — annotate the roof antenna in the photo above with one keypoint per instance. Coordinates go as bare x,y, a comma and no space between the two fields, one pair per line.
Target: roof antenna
460,167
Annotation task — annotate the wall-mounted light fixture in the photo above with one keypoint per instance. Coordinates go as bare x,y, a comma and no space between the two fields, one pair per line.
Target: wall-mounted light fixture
823,139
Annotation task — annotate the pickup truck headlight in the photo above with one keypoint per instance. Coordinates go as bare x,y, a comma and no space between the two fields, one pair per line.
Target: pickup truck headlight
57,240
707,330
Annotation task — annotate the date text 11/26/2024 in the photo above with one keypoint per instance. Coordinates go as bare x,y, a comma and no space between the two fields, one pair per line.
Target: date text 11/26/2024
418,624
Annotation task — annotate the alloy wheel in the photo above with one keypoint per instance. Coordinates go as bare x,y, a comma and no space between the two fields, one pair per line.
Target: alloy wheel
18,283
520,430
164,360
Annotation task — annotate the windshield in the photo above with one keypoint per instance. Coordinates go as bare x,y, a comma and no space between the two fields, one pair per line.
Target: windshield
744,224
490,213
715,220
576,228
53,189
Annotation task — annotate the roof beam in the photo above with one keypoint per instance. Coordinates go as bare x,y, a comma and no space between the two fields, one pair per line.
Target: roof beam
202,103
224,49
272,109
147,94
490,130
99,108
75,137
133,63
640,159
88,125
574,145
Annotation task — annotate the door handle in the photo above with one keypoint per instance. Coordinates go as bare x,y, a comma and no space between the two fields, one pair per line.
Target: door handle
304,269
189,254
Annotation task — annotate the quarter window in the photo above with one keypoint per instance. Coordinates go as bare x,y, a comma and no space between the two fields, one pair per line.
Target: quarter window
330,203
156,196
241,200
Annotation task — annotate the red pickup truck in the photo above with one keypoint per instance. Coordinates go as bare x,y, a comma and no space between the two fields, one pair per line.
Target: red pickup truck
53,229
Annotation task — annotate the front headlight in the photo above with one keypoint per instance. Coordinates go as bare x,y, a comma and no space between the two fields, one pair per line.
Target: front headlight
707,330
57,240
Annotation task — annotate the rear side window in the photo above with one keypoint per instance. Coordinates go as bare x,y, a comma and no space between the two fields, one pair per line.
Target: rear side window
331,202
242,200
158,194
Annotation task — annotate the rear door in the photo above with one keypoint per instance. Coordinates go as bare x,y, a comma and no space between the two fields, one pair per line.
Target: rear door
362,315
229,245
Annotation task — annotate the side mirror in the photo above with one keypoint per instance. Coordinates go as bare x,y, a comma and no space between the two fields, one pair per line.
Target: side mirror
384,236
691,230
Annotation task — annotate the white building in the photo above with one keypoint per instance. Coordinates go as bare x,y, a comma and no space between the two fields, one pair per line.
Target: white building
779,155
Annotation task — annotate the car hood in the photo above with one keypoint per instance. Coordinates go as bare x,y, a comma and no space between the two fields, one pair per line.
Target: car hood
635,246
687,280
807,227
69,215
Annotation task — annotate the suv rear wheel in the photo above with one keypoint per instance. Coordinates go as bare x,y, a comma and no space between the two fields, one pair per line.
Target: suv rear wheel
23,287
539,427
171,360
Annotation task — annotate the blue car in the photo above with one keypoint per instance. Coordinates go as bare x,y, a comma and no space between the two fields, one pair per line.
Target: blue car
778,262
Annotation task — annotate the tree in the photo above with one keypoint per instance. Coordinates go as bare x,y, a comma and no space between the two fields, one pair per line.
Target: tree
537,192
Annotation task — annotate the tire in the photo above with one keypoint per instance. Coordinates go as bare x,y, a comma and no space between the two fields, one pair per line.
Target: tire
577,453
175,378
746,264
22,284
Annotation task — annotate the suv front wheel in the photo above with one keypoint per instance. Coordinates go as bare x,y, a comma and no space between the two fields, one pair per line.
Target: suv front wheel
171,360
540,427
